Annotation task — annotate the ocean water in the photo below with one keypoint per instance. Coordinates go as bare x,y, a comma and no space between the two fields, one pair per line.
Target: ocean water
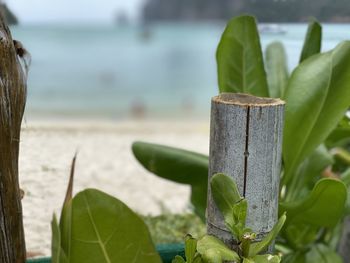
166,70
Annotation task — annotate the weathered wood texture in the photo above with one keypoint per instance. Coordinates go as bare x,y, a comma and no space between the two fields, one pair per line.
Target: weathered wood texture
245,143
12,103
344,244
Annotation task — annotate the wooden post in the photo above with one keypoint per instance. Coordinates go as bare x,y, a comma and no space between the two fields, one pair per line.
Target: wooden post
344,244
12,103
245,143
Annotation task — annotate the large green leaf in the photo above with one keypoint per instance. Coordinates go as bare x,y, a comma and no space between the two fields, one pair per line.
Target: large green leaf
323,207
103,229
239,58
276,69
258,247
177,165
214,250
225,194
313,39
317,98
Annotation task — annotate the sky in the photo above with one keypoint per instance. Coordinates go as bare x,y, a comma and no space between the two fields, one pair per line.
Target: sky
80,11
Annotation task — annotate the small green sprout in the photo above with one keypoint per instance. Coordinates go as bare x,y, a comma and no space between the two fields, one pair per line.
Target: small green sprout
233,207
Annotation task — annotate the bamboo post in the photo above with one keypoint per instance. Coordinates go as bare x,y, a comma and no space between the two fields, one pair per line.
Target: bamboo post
344,244
245,143
12,103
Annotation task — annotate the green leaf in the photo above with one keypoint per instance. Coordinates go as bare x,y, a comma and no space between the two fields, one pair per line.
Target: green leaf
317,94
198,259
323,207
226,195
345,177
340,136
256,248
309,171
214,250
320,253
190,248
239,58
342,155
178,259
66,214
240,211
319,160
177,165
58,255
212,256
266,259
313,39
300,235
105,230
199,199
276,69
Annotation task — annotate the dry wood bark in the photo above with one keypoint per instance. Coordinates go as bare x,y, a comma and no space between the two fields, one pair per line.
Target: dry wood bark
12,104
245,143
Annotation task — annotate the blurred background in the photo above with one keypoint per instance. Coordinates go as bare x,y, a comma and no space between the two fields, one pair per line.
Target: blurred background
146,58
106,73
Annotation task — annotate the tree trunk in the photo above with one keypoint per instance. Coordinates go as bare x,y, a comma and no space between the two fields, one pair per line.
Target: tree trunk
12,104
245,143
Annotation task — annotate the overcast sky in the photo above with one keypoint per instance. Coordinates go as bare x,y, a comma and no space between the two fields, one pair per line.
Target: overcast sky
81,11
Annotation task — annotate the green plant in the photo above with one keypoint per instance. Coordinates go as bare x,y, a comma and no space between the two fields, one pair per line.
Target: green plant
171,228
317,97
95,227
181,166
234,210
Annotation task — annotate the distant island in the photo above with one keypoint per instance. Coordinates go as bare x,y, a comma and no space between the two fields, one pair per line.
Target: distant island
9,16
265,10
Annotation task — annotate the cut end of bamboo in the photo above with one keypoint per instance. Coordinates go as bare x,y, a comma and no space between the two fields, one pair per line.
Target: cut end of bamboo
245,100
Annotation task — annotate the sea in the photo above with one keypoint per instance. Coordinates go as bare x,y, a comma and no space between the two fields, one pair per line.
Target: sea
163,70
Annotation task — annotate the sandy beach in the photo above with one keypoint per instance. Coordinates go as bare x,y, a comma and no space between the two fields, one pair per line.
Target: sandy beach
105,162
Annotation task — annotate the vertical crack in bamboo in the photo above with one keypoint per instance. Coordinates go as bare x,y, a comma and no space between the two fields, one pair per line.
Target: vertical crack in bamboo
246,152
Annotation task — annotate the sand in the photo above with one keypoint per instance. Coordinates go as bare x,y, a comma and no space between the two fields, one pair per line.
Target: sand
105,162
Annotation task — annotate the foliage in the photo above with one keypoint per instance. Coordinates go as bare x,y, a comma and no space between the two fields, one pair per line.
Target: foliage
181,166
313,39
276,68
96,227
191,254
171,228
239,58
318,94
318,97
234,209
